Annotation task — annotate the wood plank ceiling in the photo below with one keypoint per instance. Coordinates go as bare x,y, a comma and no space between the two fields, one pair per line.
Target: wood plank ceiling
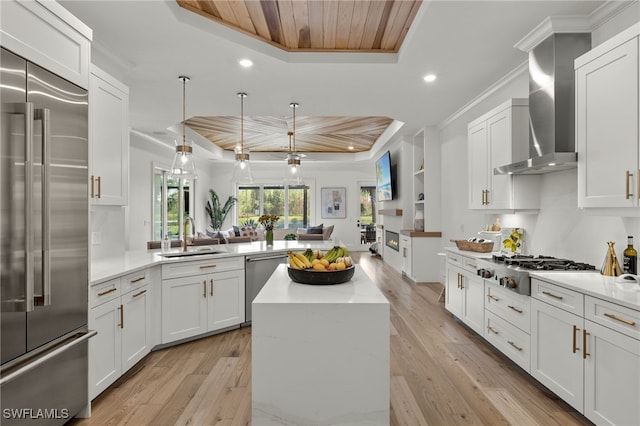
313,134
314,25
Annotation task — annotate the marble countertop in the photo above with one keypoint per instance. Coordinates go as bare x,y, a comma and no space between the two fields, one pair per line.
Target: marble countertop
108,268
467,253
280,289
596,285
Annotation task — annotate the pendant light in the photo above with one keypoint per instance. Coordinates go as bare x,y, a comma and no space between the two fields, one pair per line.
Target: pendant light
294,173
242,169
183,166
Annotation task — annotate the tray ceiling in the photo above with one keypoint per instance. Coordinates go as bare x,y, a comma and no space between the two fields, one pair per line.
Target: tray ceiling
313,134
315,25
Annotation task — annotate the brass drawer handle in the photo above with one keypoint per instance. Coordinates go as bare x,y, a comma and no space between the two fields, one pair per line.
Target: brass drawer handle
575,347
514,345
99,179
515,309
212,286
111,290
627,184
121,316
204,289
492,330
626,321
93,192
207,266
555,296
490,297
135,280
140,293
486,196
453,259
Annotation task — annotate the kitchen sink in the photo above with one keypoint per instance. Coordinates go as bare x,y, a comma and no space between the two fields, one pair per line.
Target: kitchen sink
201,251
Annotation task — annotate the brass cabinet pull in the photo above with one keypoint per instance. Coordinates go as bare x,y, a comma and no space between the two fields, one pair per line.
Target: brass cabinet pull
140,293
584,343
515,309
460,286
627,184
404,252
121,316
514,345
212,286
575,347
486,197
207,266
99,179
473,265
92,187
454,259
555,296
204,289
626,321
492,330
111,290
492,298
135,280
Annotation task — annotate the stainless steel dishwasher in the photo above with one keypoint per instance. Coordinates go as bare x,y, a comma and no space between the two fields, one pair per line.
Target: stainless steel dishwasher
258,269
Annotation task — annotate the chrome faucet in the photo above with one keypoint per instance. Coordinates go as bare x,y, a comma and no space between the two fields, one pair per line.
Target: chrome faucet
184,231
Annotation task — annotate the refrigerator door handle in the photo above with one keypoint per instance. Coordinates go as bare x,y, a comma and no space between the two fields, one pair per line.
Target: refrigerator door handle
26,367
44,116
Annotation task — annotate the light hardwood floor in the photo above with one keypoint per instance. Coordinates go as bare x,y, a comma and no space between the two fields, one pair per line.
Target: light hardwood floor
441,374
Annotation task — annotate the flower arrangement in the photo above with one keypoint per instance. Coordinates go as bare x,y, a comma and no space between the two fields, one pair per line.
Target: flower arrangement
514,241
268,221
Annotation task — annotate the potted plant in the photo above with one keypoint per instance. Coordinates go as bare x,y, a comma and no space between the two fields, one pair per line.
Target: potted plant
217,212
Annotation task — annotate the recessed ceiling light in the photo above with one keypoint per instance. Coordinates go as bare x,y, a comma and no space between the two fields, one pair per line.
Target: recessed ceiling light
246,63
429,78
351,147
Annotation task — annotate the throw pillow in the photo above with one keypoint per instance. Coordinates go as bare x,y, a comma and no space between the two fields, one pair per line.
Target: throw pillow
315,229
236,231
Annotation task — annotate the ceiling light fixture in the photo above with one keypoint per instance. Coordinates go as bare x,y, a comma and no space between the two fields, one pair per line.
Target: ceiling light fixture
294,174
183,166
430,78
242,170
246,63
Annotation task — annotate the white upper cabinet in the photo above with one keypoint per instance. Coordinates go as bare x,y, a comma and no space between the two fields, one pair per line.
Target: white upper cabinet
46,34
495,139
607,83
109,139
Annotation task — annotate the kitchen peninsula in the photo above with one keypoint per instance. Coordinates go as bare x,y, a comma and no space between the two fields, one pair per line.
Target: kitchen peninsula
320,354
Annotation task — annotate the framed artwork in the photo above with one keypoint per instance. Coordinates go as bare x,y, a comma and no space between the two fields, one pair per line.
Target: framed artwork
334,203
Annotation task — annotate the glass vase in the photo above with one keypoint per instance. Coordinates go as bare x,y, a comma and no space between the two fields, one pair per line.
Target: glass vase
268,236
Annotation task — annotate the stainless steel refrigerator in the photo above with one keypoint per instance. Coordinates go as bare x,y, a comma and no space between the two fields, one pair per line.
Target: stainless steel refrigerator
43,245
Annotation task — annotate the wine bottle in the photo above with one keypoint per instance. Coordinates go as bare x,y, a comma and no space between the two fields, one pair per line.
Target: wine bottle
630,258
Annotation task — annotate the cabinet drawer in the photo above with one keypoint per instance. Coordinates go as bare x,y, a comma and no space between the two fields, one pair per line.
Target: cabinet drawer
134,280
510,340
204,266
470,264
104,292
512,307
563,298
454,259
616,317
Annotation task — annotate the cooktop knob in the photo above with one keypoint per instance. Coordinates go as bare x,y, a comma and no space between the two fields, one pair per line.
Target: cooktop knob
508,282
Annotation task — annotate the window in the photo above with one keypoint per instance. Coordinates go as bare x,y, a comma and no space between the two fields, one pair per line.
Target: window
172,202
367,205
291,203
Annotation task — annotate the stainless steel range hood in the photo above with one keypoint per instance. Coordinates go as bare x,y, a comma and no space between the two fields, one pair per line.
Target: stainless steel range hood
551,105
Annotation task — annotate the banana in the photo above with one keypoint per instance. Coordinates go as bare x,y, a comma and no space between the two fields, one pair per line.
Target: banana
308,253
332,254
345,251
303,260
294,262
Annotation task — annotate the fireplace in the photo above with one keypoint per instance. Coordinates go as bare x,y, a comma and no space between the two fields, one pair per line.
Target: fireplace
392,239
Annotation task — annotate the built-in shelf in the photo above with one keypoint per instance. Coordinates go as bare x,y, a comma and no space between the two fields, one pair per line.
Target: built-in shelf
420,234
390,212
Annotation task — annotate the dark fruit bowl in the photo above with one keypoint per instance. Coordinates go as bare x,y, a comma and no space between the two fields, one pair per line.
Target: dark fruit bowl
309,276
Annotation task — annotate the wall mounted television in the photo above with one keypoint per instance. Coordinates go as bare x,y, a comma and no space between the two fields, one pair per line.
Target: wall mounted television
384,178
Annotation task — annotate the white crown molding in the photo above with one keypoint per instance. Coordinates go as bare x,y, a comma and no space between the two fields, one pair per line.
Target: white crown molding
511,75
607,11
551,25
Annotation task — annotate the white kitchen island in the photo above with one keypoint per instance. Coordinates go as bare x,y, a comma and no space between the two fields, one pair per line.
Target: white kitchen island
320,354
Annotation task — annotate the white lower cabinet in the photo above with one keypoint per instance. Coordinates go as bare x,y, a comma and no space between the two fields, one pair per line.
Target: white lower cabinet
200,303
591,360
121,314
464,295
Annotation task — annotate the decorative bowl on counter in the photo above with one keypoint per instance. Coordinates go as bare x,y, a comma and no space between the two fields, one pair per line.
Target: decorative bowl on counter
313,277
485,247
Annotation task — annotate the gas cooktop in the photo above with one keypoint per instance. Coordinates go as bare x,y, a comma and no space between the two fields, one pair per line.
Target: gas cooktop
512,271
